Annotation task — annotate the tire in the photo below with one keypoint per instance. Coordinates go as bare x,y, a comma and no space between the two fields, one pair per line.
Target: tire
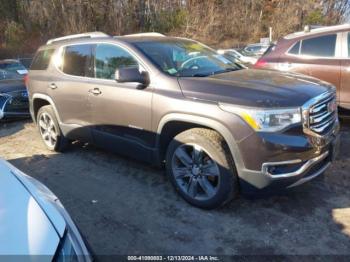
46,118
211,163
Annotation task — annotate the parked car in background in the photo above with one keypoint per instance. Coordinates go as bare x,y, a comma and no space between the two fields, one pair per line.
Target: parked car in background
256,49
13,97
13,67
33,221
26,61
240,55
176,101
322,53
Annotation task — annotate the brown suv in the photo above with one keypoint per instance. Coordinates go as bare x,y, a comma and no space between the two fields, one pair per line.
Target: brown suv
218,128
323,53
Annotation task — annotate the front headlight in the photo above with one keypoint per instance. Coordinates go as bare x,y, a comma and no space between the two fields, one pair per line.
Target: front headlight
266,120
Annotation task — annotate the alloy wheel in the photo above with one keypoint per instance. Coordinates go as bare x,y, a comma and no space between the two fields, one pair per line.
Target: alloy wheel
47,130
195,172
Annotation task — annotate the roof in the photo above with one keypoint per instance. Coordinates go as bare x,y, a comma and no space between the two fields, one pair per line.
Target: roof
318,30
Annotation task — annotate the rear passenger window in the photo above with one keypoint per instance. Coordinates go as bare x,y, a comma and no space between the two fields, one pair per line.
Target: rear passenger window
109,58
295,49
42,59
323,46
77,60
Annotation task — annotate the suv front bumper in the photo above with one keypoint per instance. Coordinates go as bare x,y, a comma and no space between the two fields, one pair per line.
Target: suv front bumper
292,167
14,105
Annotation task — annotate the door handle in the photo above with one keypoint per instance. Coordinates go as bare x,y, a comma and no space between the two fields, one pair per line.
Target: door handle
95,91
53,86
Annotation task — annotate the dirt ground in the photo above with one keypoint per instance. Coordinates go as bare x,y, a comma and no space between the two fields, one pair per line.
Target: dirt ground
128,208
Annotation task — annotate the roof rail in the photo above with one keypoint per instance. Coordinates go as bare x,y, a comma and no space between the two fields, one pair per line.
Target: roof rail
77,36
317,29
146,34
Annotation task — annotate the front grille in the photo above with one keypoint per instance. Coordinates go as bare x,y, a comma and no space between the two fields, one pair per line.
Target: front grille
320,116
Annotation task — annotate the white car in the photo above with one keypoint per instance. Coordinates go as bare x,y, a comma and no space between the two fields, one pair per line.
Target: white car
244,58
34,222
256,49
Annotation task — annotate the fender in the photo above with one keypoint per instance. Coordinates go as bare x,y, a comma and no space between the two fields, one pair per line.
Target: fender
213,124
65,128
50,101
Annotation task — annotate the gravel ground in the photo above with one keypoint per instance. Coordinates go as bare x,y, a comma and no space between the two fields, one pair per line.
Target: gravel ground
129,208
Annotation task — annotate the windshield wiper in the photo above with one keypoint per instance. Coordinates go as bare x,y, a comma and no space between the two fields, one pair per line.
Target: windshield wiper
200,75
229,69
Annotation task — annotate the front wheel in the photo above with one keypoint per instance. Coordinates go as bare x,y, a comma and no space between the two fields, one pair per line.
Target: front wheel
200,166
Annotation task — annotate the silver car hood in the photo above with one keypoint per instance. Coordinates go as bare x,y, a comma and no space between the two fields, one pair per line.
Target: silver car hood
29,224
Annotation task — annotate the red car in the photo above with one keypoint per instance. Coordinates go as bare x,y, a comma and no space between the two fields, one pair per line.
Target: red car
322,53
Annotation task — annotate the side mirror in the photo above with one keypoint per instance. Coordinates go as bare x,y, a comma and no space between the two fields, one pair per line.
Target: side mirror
131,74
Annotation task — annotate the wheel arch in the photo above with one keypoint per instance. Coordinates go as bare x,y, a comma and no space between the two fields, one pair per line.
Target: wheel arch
40,100
190,121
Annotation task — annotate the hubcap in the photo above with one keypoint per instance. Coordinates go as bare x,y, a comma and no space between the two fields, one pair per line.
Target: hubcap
195,172
47,130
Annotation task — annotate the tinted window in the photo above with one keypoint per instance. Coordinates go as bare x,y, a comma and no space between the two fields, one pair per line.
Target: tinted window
77,60
109,58
42,59
11,66
323,46
295,49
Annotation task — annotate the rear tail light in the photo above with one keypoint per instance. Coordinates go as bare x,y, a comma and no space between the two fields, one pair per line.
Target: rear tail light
26,80
260,63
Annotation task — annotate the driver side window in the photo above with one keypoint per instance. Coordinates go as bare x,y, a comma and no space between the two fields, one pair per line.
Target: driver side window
109,58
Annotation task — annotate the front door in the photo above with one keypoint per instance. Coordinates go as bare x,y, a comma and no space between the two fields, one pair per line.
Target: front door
121,111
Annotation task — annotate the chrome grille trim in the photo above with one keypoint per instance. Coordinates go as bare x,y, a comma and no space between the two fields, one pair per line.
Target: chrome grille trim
319,116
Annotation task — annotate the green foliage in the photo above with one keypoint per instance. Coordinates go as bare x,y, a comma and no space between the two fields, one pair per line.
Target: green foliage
314,18
14,35
166,21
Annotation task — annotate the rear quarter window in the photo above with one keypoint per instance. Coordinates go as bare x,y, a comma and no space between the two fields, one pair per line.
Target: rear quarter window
42,59
295,49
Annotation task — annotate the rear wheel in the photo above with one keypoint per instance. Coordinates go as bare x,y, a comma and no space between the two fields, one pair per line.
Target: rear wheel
49,130
200,166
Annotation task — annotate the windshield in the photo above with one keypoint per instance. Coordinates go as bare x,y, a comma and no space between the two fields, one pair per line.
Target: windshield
12,70
180,57
246,53
12,67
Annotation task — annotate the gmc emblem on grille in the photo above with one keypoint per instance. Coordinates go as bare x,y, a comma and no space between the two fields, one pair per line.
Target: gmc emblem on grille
332,106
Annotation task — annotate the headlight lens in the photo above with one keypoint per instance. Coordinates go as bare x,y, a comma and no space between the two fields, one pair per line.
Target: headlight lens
266,120
66,250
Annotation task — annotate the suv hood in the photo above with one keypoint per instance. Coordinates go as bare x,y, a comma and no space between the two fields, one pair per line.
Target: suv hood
254,88
27,227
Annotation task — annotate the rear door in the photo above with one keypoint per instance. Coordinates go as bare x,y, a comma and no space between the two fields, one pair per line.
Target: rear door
319,57
345,73
70,89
